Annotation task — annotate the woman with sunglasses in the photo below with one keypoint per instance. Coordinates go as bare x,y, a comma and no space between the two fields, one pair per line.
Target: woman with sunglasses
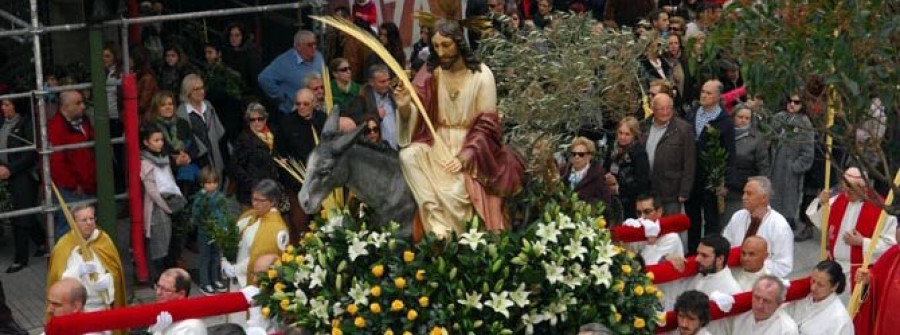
253,153
583,175
343,88
372,133
792,156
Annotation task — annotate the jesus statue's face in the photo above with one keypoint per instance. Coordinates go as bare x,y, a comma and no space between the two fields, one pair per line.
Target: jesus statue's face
446,49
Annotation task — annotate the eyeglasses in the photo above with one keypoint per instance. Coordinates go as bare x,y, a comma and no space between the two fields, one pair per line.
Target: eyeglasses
255,199
303,103
157,287
580,153
200,88
256,119
796,102
647,211
343,69
372,130
675,28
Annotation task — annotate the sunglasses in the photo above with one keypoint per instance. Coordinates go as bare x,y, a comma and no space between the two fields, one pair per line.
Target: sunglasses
580,153
795,102
256,119
343,69
675,28
372,130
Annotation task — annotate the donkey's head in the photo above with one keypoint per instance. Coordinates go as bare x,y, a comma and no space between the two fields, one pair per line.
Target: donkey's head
326,167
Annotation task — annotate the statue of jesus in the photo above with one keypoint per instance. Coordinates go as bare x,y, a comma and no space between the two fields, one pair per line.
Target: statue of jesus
473,170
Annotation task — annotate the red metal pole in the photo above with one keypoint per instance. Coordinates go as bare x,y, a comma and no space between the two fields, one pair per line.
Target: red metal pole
135,197
134,31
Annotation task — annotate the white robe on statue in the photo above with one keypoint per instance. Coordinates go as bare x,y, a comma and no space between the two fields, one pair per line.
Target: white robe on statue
778,324
746,279
826,317
777,233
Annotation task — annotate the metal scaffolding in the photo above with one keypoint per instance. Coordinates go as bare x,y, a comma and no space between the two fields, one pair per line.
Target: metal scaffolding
39,94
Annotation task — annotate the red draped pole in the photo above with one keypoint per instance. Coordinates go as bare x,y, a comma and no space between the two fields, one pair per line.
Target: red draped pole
135,197
667,224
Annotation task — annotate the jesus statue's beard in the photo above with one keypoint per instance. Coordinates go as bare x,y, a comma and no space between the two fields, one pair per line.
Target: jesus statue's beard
447,62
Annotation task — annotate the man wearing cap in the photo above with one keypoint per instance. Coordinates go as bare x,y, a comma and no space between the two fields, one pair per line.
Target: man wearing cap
851,222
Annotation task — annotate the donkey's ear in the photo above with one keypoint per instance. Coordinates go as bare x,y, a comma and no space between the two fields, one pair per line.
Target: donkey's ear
343,142
332,124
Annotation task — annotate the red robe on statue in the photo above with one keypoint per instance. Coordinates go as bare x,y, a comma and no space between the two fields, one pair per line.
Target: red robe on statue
877,316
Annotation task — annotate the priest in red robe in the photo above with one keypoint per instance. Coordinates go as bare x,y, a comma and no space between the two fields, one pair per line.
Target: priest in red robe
877,315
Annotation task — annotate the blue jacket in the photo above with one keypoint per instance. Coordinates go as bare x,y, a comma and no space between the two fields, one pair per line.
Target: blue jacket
281,80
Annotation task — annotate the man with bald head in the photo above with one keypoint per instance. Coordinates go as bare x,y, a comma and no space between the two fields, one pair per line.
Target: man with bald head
296,136
851,222
174,284
67,296
671,151
766,316
758,219
73,171
754,252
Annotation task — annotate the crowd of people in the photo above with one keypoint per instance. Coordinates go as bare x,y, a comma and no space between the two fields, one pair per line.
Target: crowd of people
222,127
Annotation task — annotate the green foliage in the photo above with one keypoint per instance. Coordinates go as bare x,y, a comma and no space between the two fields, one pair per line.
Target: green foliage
714,159
210,214
560,272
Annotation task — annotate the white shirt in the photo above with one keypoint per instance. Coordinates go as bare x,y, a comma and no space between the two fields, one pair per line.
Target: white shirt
94,301
185,327
746,279
848,224
667,244
778,324
777,233
826,317
722,282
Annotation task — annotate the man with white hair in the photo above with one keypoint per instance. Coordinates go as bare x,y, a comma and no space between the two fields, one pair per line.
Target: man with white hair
285,75
851,222
766,316
758,219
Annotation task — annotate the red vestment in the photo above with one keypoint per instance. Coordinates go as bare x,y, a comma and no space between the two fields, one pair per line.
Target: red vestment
877,316
865,225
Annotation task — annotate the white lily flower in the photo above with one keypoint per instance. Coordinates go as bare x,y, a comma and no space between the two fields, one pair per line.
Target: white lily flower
565,222
576,250
606,252
554,272
336,309
588,232
520,296
301,298
601,274
472,300
531,319
335,222
317,278
500,303
319,309
472,238
574,278
360,294
377,239
547,232
357,248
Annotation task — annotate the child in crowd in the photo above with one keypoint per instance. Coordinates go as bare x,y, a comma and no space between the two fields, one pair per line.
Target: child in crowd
162,198
209,208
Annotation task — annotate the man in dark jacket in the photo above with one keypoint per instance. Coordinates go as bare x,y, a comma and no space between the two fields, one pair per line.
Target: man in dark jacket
376,99
711,123
671,151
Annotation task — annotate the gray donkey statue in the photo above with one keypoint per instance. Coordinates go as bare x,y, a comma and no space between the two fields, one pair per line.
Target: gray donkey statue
373,174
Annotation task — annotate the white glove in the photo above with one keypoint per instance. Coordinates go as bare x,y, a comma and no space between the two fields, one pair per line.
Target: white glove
87,268
724,301
249,292
163,321
228,269
787,284
255,331
633,223
651,228
103,283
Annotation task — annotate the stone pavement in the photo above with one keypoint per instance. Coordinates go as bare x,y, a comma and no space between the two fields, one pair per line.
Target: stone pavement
25,290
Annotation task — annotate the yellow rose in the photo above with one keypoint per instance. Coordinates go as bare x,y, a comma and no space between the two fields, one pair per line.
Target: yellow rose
620,286
409,256
639,290
286,257
412,315
378,271
438,330
423,301
299,259
617,317
284,304
265,312
375,308
313,226
630,254
308,235
651,276
397,305
352,309
661,318
376,291
639,323
272,273
601,222
659,295
420,275
359,322
405,332
336,331
388,332
279,287
277,262
335,323
651,289
626,269
400,283
289,249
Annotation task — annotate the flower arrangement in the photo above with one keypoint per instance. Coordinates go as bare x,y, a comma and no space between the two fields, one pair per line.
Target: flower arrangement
552,276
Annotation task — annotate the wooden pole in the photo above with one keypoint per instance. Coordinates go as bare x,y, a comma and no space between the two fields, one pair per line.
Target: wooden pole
855,300
826,206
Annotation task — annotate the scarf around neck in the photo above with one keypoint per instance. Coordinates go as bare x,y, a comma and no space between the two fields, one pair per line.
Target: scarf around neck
160,160
266,136
169,128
